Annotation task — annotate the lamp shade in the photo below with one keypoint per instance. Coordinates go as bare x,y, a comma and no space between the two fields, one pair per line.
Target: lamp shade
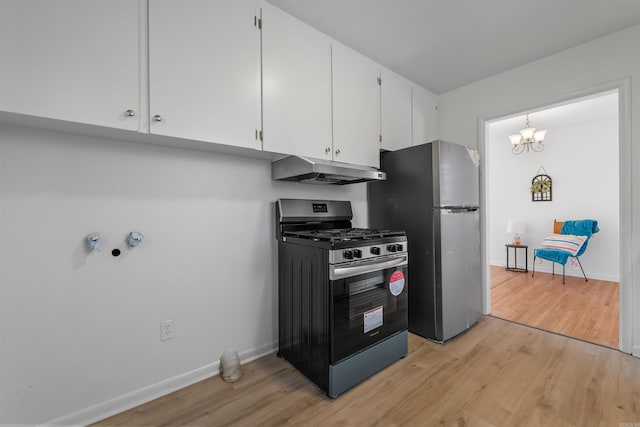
516,227
539,135
527,133
515,139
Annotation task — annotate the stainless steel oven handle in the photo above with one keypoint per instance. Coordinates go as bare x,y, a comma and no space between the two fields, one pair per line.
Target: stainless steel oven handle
336,273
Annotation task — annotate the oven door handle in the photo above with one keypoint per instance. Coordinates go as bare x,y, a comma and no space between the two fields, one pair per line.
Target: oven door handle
336,273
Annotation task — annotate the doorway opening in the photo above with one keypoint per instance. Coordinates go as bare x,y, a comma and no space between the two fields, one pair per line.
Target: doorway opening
582,159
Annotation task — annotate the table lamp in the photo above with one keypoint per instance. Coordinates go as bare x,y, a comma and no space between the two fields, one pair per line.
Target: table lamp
517,228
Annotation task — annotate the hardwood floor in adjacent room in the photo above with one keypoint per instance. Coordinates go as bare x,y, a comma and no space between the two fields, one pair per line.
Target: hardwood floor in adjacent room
579,309
498,373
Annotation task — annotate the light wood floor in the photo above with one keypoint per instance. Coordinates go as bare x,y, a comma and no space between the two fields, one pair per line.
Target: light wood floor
584,310
499,373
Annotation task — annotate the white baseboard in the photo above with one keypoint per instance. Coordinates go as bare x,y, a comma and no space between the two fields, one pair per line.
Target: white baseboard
635,350
569,271
146,394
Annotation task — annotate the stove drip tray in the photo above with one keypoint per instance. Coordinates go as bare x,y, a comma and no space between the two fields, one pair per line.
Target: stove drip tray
357,368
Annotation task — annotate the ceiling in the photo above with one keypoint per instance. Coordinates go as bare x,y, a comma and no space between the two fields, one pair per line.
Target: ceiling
445,44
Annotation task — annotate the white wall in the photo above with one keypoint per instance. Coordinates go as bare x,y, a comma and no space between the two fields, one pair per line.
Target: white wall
593,66
79,329
582,161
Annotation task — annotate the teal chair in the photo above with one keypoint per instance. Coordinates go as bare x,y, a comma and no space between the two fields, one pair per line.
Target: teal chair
583,227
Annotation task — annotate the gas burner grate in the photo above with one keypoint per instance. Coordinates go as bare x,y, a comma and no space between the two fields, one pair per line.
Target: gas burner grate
343,234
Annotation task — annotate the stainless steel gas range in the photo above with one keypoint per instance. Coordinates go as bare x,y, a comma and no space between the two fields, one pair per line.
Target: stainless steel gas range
342,293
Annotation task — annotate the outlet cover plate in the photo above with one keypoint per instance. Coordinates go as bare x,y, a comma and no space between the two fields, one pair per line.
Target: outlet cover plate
166,330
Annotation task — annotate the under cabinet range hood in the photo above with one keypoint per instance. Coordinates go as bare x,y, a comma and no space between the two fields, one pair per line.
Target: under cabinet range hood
316,171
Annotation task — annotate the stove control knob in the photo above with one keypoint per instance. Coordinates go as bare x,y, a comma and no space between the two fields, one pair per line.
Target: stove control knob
347,254
357,253
391,248
399,247
375,250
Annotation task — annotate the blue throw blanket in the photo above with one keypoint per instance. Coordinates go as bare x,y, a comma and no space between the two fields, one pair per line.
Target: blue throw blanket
554,255
583,227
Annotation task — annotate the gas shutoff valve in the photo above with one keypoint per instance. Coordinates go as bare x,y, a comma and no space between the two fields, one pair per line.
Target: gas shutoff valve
134,239
95,242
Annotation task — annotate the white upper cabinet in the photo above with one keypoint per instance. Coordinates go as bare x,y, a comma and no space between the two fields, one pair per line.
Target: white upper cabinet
425,115
296,91
395,111
204,71
238,73
73,60
356,107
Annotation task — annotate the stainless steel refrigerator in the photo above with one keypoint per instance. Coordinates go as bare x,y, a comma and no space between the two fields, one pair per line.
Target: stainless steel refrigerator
432,192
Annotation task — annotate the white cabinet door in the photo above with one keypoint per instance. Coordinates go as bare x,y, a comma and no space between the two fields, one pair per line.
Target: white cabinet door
356,107
425,115
204,70
72,60
296,91
395,111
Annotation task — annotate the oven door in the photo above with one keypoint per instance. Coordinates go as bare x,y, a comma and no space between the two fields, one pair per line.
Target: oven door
369,303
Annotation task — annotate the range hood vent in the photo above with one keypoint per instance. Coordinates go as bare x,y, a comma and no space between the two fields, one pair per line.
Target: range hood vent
316,171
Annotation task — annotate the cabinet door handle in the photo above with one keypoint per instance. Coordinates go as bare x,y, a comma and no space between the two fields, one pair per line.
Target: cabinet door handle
327,150
130,113
157,118
338,151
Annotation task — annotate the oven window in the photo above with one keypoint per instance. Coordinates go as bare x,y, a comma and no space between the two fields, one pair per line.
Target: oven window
366,309
366,296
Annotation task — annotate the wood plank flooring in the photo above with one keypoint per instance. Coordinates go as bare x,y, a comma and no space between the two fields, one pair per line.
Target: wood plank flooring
584,310
498,373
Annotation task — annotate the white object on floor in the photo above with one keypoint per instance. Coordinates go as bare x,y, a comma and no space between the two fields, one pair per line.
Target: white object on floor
230,366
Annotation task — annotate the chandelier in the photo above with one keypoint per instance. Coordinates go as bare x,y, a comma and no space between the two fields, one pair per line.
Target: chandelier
528,139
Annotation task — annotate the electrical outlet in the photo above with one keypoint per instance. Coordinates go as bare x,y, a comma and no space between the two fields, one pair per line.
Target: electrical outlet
166,330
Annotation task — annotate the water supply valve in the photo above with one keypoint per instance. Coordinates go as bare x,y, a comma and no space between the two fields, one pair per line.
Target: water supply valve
134,239
94,240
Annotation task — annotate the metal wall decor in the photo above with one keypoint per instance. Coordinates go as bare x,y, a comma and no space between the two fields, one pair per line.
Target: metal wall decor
541,187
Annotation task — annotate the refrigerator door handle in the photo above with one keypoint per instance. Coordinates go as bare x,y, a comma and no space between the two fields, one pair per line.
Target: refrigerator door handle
460,210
